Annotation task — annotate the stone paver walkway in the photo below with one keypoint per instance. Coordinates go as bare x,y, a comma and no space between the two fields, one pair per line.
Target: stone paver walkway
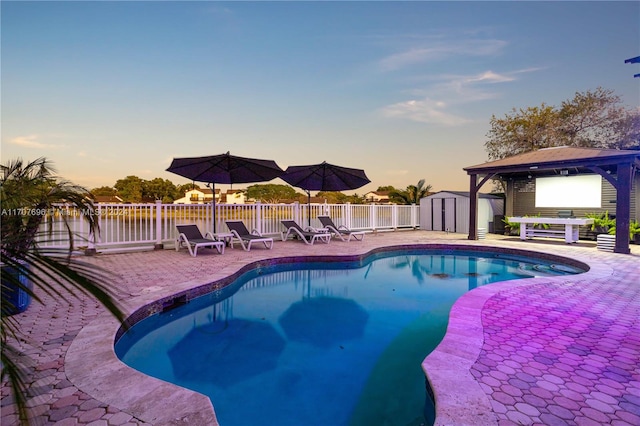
560,351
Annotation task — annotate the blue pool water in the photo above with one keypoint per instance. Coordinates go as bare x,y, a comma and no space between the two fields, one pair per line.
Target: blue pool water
319,343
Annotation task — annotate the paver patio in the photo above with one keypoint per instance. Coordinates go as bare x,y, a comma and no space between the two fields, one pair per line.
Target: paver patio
562,350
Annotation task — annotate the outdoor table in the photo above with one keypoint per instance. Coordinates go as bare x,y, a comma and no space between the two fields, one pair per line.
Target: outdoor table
571,227
223,236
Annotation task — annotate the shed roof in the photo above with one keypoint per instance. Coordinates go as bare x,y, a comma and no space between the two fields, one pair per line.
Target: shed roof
466,194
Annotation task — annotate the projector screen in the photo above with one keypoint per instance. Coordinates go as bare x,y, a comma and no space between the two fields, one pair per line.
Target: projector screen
569,191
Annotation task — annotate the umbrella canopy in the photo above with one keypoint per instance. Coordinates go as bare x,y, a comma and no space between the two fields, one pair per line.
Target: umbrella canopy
225,353
225,168
324,321
325,177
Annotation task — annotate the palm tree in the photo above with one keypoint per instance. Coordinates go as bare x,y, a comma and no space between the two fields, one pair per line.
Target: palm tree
30,193
412,194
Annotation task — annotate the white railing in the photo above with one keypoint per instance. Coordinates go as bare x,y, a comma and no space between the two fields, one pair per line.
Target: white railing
155,224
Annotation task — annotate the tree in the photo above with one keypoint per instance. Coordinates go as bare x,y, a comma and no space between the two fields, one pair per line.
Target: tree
333,197
160,189
411,195
592,119
271,193
357,199
336,197
29,194
104,190
387,188
130,189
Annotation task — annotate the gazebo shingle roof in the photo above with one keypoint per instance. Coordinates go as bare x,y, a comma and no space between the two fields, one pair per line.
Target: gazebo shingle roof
554,155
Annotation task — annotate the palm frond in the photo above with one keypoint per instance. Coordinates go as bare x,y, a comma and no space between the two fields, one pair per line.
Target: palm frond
31,195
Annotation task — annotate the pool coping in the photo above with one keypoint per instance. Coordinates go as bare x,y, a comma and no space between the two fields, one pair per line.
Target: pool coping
92,365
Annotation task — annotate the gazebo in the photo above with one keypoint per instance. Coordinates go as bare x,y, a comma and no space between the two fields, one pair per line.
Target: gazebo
618,167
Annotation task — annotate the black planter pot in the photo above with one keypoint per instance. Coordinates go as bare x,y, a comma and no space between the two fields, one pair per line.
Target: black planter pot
15,299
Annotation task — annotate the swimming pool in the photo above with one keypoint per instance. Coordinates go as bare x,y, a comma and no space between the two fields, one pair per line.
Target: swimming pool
319,343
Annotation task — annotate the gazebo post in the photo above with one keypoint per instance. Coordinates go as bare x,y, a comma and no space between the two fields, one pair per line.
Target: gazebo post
473,207
623,207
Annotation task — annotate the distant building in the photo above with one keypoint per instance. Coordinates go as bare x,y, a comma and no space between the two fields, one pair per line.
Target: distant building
198,196
233,196
380,197
107,199
205,196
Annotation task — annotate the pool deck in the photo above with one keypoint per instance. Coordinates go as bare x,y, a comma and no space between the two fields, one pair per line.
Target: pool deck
547,351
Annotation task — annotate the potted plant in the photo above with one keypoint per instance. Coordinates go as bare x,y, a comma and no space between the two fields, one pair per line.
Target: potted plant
29,193
601,222
510,228
634,231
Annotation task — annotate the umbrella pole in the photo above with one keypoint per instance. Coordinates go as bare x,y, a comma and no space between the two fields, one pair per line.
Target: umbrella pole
308,208
213,212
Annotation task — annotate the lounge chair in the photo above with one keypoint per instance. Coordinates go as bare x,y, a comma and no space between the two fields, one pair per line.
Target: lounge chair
342,232
246,238
192,237
308,235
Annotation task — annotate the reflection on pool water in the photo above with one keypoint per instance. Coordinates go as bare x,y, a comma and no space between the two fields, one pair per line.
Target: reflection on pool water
333,343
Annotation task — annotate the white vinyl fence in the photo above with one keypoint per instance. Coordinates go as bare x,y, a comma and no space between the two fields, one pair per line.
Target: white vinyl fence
154,225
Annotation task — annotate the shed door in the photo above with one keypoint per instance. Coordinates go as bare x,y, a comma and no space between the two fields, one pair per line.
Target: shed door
449,214
443,214
436,214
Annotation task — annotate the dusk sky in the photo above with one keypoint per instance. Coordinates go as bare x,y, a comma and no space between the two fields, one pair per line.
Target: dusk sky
403,90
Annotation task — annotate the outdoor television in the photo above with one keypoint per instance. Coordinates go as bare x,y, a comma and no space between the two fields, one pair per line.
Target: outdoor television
583,191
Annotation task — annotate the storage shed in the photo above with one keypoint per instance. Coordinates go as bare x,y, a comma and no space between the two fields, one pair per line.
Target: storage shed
449,211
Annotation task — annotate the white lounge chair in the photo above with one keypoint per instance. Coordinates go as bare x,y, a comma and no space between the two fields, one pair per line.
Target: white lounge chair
246,238
342,232
191,236
308,235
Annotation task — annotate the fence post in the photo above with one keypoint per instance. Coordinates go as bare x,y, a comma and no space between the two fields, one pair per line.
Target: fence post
394,217
415,209
372,215
296,211
158,245
347,215
258,216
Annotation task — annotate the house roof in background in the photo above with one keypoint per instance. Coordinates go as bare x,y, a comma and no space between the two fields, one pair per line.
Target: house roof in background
107,199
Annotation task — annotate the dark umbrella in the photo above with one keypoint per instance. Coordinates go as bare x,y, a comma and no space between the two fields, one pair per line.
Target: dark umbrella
224,168
324,177
226,352
324,321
